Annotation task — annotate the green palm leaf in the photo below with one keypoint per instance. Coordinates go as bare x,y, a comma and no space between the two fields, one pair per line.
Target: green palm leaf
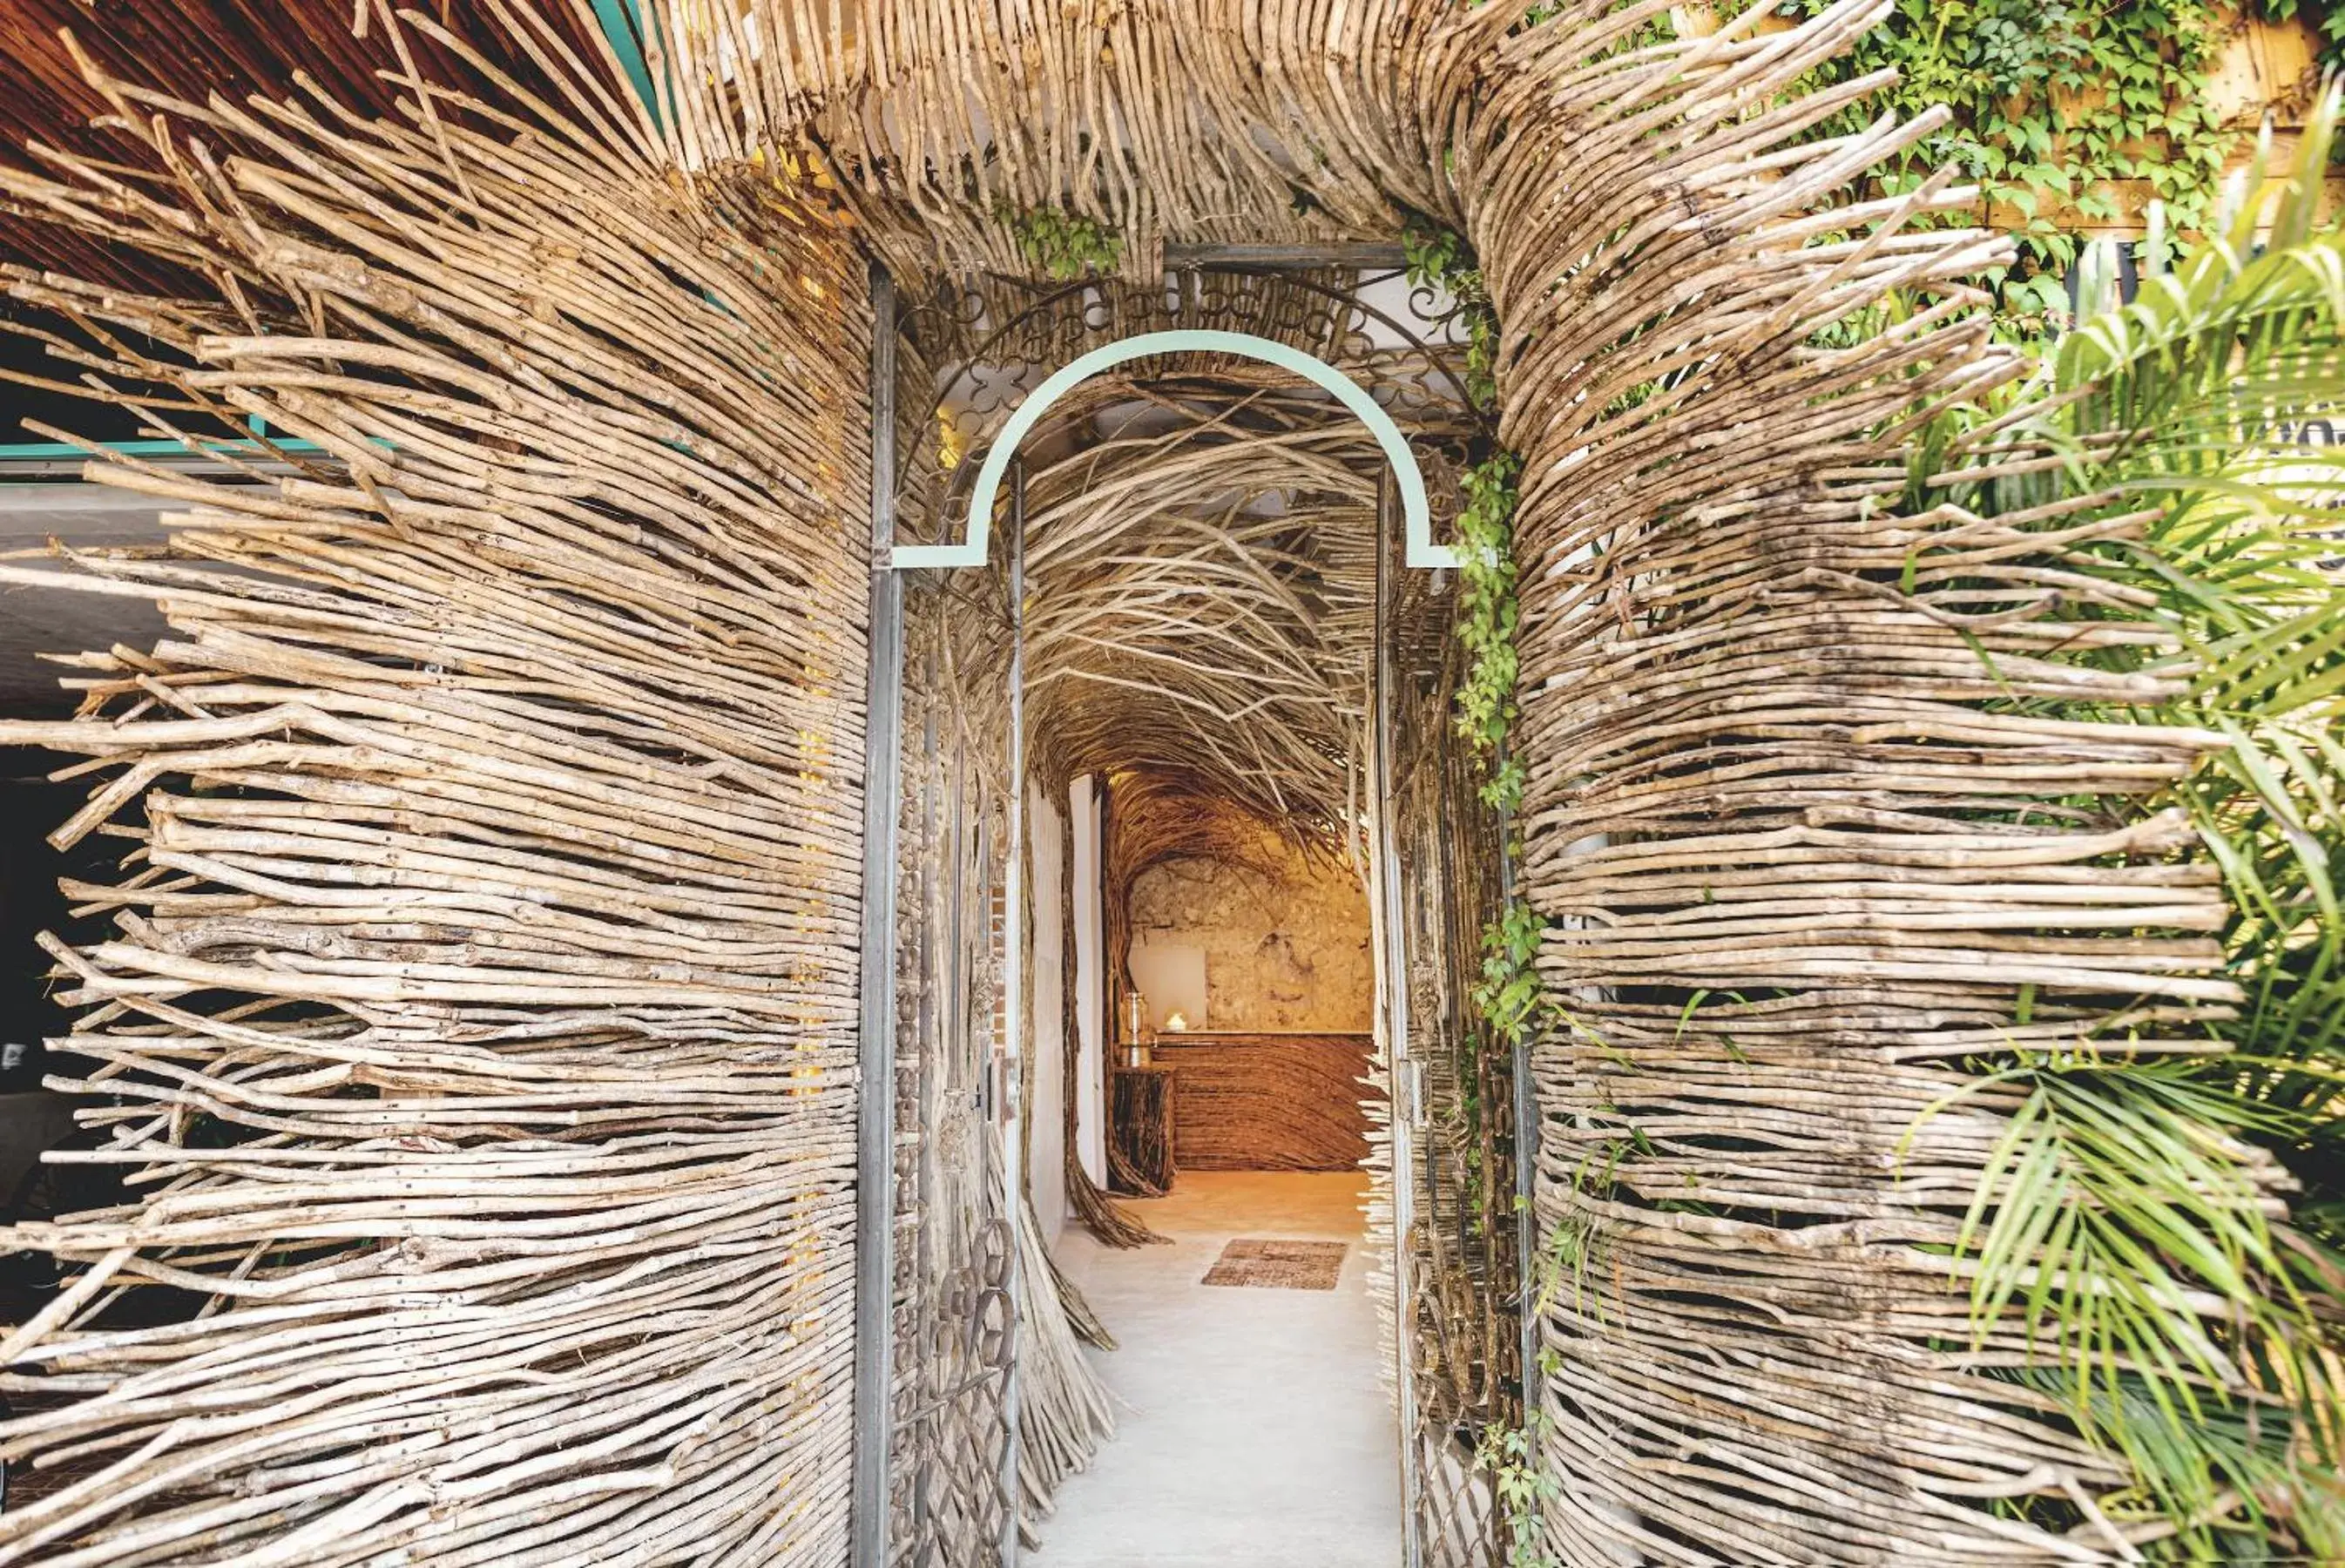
2127,1221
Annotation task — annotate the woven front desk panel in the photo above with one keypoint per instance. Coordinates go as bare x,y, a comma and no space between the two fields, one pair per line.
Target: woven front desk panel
1268,1102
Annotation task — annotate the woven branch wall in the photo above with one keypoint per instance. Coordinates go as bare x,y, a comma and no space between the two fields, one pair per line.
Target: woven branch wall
479,1011
493,879
1799,852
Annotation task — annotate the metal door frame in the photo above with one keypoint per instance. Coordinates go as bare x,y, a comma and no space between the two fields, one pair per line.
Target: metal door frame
1403,1087
875,1121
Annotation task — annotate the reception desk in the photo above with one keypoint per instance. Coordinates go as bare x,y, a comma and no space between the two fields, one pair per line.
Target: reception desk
1267,1102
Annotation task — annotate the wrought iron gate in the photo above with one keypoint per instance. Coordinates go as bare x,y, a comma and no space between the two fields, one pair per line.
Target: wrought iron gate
955,1416
1454,1173
936,1439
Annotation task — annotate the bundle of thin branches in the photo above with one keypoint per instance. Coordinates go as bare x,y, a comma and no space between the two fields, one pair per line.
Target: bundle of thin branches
1201,566
1161,119
1063,1409
1269,1101
477,1021
235,49
1803,834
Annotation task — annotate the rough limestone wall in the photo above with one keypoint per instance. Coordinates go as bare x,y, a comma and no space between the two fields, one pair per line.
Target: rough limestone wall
1289,950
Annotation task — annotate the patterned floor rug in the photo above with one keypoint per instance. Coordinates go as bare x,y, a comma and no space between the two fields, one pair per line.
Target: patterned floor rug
1278,1265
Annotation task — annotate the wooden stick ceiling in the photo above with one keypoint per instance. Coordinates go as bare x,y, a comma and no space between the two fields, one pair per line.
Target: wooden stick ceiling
1200,571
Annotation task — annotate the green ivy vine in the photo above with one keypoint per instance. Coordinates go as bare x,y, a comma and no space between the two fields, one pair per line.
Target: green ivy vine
2327,22
1487,608
2053,101
1061,243
1439,258
1521,1483
1510,1003
1487,615
2056,104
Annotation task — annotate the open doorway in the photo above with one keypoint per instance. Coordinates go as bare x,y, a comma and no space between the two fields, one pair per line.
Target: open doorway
1194,881
1242,989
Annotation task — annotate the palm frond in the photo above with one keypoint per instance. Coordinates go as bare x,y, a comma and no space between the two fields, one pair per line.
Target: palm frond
2128,1224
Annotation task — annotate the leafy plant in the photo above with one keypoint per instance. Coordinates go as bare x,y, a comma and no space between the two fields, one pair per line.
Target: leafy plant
1488,611
1488,614
2327,22
1509,998
2054,102
1509,1001
1511,1006
1061,243
2124,1218
1439,258
2123,1197
1522,1485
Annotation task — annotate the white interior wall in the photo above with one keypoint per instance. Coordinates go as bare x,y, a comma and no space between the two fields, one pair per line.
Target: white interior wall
1047,1037
1170,977
1090,984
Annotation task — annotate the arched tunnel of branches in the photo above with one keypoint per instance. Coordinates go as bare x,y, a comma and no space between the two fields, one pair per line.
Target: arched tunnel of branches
1200,628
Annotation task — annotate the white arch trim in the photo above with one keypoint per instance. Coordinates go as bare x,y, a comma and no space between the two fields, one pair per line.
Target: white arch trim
1416,517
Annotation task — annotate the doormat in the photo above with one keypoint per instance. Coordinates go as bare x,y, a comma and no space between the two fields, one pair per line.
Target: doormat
1278,1265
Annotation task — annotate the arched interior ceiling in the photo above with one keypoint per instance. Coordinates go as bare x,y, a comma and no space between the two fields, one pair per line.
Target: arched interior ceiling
1201,586
1200,527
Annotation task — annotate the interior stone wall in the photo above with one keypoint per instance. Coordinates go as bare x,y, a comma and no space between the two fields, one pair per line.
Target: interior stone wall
1287,945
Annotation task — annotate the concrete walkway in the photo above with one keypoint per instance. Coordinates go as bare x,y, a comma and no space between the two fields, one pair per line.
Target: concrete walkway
1258,1434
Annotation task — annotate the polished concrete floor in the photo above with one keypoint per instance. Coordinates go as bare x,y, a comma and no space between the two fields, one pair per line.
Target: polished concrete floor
1257,1433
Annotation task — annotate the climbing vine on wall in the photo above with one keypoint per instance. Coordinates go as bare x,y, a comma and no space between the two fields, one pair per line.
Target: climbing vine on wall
1508,998
2180,1316
1439,258
1523,1486
2326,20
2054,102
1487,610
1511,1003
